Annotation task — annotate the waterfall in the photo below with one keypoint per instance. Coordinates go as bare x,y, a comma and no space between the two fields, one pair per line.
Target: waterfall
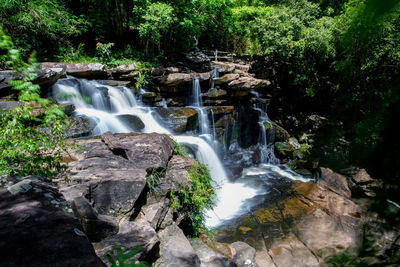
214,76
266,140
107,105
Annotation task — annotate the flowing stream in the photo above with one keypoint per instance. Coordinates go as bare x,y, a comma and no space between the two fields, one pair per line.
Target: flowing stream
109,106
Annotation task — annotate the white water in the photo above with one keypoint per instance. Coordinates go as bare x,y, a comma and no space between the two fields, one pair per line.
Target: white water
105,104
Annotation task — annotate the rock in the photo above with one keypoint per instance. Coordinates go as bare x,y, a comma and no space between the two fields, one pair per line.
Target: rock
159,214
48,77
79,70
361,183
177,172
227,78
175,79
335,182
5,88
243,254
9,105
226,67
205,76
37,230
131,235
175,249
96,227
210,257
248,83
101,169
117,83
159,71
123,69
178,120
79,126
294,143
133,121
216,93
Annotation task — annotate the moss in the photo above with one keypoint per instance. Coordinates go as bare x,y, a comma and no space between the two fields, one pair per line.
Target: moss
244,229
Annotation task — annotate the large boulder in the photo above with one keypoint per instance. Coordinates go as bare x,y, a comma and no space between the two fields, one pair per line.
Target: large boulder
132,234
79,70
178,120
122,71
48,77
5,87
133,121
248,83
175,249
37,229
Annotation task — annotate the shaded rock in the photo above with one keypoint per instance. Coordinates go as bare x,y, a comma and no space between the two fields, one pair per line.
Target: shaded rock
159,214
68,108
80,70
178,120
159,71
215,93
361,183
178,171
243,254
175,249
334,182
131,235
248,83
96,227
205,76
5,88
209,257
38,231
9,105
79,126
48,77
133,121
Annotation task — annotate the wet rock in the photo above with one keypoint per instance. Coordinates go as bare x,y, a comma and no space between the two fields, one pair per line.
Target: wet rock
37,230
335,182
175,249
131,235
178,120
210,257
243,254
133,121
96,226
79,70
118,83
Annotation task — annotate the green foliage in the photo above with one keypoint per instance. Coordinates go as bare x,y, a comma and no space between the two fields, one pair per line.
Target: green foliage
39,24
103,51
197,198
143,71
154,177
122,258
179,150
25,147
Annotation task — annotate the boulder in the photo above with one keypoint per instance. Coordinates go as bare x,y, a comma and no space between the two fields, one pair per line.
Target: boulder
159,71
177,173
131,234
175,79
175,249
178,120
361,183
227,78
210,257
37,229
79,126
248,83
226,67
5,88
9,105
243,254
96,227
334,182
79,70
215,93
133,121
123,69
48,77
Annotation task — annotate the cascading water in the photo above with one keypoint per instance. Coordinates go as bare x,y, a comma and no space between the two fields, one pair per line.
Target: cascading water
266,140
107,105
